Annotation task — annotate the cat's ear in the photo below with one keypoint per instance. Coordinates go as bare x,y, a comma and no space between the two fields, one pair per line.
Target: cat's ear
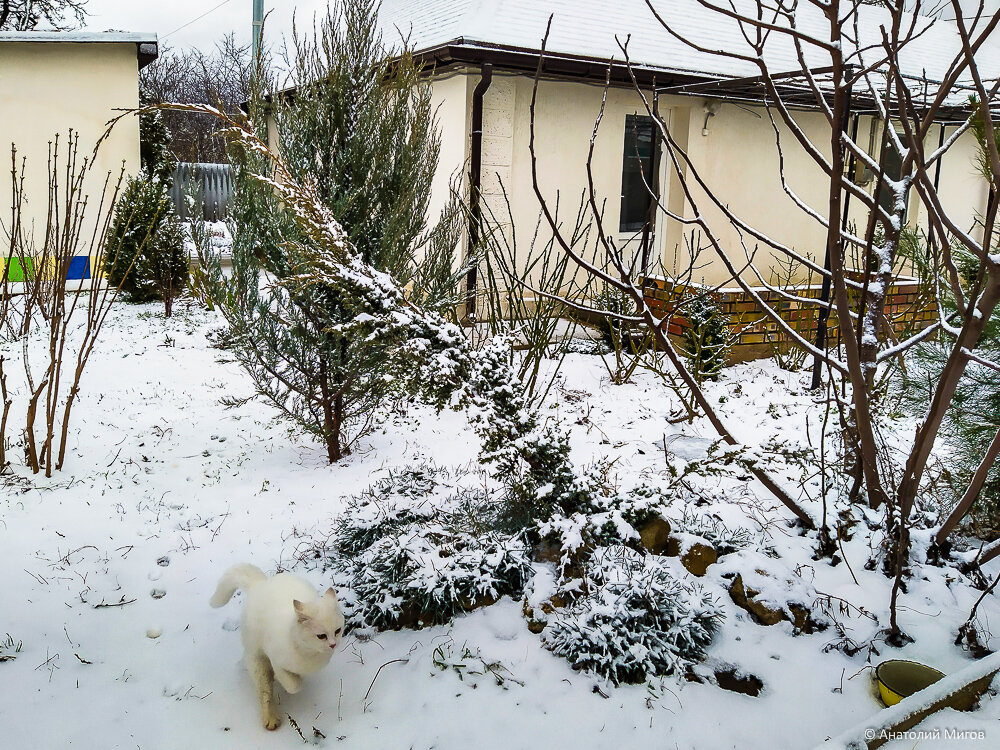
300,610
331,594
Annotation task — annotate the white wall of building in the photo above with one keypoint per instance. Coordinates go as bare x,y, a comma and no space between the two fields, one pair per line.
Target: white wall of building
737,159
49,88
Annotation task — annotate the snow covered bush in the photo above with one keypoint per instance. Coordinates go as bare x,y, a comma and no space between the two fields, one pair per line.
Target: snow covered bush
706,341
529,457
422,494
615,333
602,515
637,620
146,255
723,539
361,133
971,425
426,574
420,546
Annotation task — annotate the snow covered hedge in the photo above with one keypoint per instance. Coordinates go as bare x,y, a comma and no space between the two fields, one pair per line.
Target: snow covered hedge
638,620
417,548
391,504
427,574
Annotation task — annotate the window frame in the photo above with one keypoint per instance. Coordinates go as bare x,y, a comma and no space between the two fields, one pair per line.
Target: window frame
637,125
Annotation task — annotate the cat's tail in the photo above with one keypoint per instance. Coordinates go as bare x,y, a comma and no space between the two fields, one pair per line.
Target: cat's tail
241,576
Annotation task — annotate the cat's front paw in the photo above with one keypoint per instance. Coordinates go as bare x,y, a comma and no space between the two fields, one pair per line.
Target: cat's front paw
290,681
272,722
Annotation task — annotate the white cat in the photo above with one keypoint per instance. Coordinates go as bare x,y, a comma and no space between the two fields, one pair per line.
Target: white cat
288,630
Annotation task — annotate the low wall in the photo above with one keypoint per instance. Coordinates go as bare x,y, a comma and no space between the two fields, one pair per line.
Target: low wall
909,309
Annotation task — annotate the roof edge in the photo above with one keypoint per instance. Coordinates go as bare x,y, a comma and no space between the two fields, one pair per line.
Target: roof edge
80,37
467,51
147,44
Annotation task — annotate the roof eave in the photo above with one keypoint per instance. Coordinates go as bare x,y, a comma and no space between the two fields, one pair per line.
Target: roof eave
147,44
466,52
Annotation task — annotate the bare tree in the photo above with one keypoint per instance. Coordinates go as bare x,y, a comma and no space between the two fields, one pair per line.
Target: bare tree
26,15
221,77
854,62
54,301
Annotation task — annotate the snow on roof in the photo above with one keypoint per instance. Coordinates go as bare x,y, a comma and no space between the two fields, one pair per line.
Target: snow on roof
79,37
147,44
592,29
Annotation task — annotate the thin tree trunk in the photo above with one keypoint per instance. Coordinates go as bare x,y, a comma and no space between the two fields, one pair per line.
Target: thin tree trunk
7,402
953,371
332,407
972,492
31,449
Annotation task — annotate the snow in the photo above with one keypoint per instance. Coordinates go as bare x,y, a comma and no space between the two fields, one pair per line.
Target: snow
165,487
883,724
219,239
593,28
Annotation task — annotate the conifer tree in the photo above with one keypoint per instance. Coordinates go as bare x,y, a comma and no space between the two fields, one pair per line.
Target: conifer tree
360,129
146,254
975,418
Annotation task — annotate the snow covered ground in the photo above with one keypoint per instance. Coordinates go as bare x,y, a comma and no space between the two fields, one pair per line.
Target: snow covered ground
164,488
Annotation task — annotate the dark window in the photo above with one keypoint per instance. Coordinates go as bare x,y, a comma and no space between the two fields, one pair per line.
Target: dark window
637,172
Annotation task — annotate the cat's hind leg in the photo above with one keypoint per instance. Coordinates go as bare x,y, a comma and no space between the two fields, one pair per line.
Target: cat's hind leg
259,667
289,680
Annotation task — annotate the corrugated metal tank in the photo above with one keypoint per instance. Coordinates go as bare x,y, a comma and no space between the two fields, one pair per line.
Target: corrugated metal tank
211,186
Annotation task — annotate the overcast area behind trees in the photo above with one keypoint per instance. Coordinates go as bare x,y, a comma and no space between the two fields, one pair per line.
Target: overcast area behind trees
220,77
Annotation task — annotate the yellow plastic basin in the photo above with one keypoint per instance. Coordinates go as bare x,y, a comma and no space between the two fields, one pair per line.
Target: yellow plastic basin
898,679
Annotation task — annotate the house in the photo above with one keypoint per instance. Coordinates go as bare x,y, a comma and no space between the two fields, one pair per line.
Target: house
482,59
54,82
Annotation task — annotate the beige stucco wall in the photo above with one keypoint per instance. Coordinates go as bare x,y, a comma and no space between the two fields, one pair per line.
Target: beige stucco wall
51,87
963,190
737,159
565,117
451,97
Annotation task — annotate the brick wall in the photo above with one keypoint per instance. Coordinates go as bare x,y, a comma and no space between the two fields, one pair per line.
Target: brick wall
754,335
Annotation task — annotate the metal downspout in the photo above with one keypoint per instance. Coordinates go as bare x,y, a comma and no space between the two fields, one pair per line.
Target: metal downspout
476,181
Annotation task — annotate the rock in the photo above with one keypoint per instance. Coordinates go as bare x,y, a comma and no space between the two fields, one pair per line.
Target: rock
698,557
547,550
731,677
655,535
569,565
535,625
469,603
696,554
803,620
154,632
557,601
745,598
765,614
538,619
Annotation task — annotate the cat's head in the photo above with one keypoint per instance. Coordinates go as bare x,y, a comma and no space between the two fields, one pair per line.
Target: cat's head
320,623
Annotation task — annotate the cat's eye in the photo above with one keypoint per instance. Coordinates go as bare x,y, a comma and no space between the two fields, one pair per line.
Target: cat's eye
322,636
337,631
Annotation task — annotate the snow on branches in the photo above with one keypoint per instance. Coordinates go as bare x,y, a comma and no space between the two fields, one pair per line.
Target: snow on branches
638,620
